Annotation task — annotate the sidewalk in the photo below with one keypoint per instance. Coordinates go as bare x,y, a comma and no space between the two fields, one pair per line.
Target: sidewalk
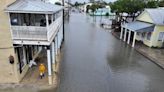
154,54
32,82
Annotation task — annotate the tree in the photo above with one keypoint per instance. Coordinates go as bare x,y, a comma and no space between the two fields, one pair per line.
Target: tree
131,7
58,3
152,4
127,6
88,7
161,3
93,7
76,4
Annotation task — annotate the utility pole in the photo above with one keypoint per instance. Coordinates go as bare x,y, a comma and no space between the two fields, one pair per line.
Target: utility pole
69,2
63,21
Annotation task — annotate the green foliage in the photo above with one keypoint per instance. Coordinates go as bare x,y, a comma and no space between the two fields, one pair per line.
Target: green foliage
95,6
128,6
107,14
78,4
133,6
58,3
161,3
88,7
152,4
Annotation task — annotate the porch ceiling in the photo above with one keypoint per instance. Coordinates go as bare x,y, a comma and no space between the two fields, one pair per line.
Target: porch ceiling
33,6
139,26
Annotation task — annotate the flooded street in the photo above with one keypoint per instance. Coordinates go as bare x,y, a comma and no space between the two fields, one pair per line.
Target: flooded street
95,61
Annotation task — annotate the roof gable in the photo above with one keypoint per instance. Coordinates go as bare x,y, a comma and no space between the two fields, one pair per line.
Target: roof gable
155,16
32,6
144,16
139,26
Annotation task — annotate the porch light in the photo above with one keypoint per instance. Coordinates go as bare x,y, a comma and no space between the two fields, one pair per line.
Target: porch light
11,59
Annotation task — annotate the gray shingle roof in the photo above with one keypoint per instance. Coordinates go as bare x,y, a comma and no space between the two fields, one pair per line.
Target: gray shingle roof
33,6
157,15
139,26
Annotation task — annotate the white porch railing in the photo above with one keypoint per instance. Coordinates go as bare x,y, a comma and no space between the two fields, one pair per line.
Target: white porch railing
36,33
29,33
53,28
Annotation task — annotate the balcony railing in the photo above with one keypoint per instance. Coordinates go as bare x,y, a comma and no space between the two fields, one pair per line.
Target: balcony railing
53,28
29,33
35,32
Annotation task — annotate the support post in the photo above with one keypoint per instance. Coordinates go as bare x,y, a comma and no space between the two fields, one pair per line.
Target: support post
121,32
49,66
53,55
129,37
163,37
56,47
53,52
134,39
47,26
125,34
63,20
47,23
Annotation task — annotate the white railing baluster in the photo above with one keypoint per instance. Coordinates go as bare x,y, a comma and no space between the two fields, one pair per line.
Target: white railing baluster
29,32
36,32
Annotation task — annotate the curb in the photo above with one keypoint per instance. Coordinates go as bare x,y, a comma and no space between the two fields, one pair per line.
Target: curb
143,54
151,59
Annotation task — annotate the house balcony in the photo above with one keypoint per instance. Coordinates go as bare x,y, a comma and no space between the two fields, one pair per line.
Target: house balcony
34,22
35,29
36,33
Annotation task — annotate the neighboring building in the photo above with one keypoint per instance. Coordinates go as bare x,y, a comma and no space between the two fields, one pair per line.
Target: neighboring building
28,26
7,71
84,7
103,12
65,3
148,28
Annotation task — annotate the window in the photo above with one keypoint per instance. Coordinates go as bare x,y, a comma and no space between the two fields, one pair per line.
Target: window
14,19
161,36
138,33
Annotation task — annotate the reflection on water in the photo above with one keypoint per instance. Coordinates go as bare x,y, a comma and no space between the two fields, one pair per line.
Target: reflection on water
100,19
95,61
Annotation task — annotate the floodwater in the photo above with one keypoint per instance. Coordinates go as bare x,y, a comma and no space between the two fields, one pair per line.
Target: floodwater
95,61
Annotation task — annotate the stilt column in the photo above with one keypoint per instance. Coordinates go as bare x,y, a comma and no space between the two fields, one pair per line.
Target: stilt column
134,39
129,37
125,34
53,55
49,66
122,29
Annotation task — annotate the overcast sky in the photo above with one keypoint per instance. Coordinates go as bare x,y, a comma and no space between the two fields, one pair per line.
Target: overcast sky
73,1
